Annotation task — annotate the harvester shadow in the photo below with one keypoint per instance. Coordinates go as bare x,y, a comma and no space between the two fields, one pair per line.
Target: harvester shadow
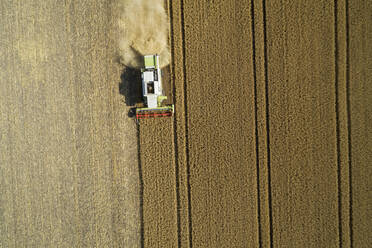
131,88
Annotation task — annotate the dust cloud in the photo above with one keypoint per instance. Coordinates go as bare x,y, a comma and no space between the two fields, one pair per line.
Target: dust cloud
143,29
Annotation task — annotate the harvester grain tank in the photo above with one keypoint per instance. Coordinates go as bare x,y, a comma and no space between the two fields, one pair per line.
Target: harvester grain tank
152,91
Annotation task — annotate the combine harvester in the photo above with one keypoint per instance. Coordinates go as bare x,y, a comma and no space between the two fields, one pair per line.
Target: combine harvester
152,91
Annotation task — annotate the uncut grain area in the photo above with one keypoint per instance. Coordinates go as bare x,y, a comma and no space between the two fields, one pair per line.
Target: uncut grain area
270,139
68,169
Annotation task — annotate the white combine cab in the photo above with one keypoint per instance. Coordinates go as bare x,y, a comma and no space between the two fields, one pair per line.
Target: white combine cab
152,91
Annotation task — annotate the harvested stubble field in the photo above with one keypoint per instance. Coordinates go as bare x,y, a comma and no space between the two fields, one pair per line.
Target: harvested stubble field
270,145
68,152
